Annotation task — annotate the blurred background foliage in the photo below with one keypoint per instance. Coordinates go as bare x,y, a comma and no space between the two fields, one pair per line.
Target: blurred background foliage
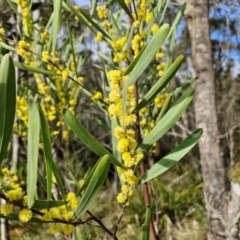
178,194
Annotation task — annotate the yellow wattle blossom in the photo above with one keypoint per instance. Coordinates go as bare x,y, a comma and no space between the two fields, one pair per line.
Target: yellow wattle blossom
68,216
123,145
148,17
14,195
101,11
81,182
121,198
25,215
45,35
55,228
65,73
97,96
72,200
160,100
154,28
2,33
67,229
45,56
6,209
99,37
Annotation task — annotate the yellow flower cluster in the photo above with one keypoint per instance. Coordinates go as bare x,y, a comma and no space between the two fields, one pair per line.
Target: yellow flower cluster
22,114
118,46
122,51
99,37
138,42
25,11
23,49
161,66
2,33
97,96
102,11
13,192
124,132
45,35
160,100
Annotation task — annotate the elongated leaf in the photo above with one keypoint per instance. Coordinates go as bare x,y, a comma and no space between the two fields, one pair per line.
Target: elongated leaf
146,226
57,8
134,62
13,7
148,54
94,186
164,108
7,102
184,87
14,216
47,152
72,48
49,161
85,19
176,20
32,150
28,68
41,204
43,183
7,47
170,51
167,121
173,157
88,179
125,8
161,83
87,138
94,6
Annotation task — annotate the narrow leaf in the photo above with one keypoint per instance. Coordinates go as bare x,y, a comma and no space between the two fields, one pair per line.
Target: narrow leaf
87,138
57,8
168,120
94,186
173,157
86,20
7,47
149,53
49,161
134,62
32,150
41,204
88,179
7,102
28,68
125,8
164,108
161,83
176,20
146,226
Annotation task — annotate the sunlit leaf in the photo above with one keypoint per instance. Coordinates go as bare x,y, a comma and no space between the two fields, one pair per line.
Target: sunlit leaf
32,150
41,204
7,102
49,161
57,8
28,68
168,120
173,157
87,138
148,54
161,83
146,226
94,186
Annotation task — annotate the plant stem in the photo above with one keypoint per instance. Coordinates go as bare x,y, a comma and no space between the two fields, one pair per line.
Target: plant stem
142,166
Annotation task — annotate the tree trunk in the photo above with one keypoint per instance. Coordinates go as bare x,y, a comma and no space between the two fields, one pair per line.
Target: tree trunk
215,183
